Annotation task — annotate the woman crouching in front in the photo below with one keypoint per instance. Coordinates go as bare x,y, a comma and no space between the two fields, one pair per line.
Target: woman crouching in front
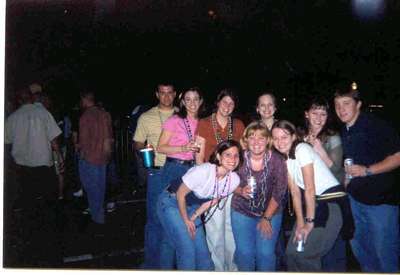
257,216
181,204
316,196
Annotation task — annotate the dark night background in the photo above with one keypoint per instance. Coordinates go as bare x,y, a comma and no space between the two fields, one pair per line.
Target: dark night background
123,48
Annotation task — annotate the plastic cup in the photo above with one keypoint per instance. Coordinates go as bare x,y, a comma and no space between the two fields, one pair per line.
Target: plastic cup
148,157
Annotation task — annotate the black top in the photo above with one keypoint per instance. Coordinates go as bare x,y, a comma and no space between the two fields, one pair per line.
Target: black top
368,141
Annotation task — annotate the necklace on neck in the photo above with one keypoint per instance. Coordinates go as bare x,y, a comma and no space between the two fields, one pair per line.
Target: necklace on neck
189,132
261,190
217,194
217,134
266,124
187,127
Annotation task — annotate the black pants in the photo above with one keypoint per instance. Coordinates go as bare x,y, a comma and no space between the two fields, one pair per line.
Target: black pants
37,218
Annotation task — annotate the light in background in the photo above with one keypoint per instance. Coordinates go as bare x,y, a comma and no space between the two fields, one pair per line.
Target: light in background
369,9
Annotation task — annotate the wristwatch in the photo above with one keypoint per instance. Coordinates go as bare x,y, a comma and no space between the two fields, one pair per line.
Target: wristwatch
309,220
368,172
268,219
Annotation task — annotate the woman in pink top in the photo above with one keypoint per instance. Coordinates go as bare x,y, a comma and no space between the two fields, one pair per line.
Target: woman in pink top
178,142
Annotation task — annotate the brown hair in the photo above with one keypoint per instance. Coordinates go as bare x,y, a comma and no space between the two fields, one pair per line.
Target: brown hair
288,127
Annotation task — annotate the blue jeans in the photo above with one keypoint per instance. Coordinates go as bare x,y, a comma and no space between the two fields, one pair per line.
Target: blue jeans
152,234
191,254
93,179
376,238
172,171
254,252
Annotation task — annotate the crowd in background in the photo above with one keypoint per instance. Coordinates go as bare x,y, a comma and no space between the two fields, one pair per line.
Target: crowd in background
220,189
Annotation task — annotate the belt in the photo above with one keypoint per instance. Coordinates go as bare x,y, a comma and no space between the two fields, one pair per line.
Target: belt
180,161
155,167
330,196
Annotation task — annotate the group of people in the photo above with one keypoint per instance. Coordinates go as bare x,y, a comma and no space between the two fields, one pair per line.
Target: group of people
34,139
218,190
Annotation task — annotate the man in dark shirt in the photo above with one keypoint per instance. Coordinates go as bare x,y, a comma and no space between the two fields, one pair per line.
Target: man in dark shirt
375,150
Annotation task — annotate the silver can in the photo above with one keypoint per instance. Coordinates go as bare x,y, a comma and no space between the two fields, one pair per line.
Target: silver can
300,246
251,181
348,162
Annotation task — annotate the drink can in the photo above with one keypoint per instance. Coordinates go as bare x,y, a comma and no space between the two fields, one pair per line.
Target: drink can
148,157
300,246
348,162
253,184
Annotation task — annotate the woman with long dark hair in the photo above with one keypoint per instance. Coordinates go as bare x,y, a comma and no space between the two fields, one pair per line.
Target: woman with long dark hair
318,131
178,142
316,196
181,204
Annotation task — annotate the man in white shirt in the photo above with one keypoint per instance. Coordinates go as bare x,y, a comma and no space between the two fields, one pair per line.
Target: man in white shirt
31,132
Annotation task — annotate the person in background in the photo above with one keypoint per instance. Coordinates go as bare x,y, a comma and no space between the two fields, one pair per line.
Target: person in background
266,108
148,131
328,145
75,115
181,204
257,216
95,149
31,135
213,130
374,147
316,197
178,142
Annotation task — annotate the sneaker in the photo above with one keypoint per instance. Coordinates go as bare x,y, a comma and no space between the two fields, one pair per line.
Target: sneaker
110,207
86,211
78,193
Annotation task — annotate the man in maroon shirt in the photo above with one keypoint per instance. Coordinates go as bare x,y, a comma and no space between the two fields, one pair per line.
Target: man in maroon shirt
95,143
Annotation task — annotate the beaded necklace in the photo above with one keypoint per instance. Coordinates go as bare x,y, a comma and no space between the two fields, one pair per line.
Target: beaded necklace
217,195
217,134
259,197
188,129
188,132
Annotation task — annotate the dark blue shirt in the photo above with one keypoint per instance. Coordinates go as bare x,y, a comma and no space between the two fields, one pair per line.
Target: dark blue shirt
368,141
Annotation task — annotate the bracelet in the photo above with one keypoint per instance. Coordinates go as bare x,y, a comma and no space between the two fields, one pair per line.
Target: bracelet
268,219
368,171
309,220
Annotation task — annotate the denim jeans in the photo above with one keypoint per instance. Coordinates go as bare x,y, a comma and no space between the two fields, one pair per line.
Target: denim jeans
191,254
153,230
172,171
376,239
93,179
254,252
